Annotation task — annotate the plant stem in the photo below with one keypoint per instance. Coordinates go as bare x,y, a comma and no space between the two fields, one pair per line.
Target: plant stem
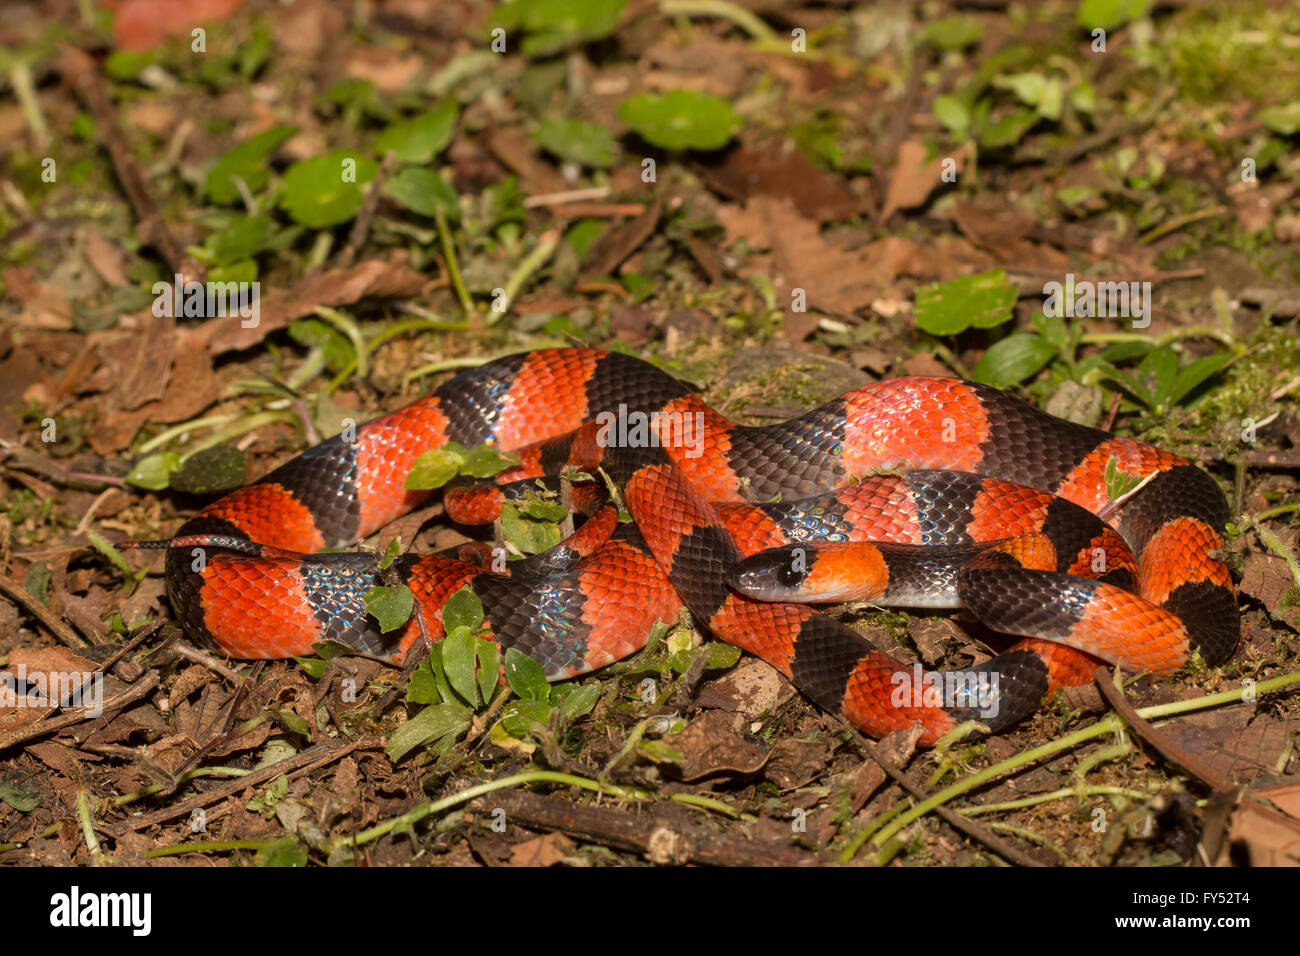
453,267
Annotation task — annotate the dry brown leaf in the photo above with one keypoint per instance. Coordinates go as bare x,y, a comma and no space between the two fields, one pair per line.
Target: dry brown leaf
708,745
916,176
1259,836
374,278
546,850
104,257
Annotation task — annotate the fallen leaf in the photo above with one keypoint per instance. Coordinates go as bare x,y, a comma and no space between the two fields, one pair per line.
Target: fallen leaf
546,850
915,176
104,257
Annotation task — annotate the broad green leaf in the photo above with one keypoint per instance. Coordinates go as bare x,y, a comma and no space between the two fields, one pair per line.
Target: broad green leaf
24,801
580,701
242,238
952,113
520,715
390,606
681,119
978,301
155,471
1045,94
1110,14
1013,359
485,461
324,191
338,348
423,191
219,468
1007,130
526,677
588,144
436,467
528,535
952,33
1283,119
286,851
422,688
462,609
553,26
489,668
432,723
419,139
246,162
458,662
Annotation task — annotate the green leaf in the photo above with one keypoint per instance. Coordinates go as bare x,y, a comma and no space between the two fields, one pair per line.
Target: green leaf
458,663
423,191
324,191
1119,483
422,688
435,721
580,702
422,137
390,606
1045,94
978,301
952,113
24,801
952,33
489,668
1283,119
520,716
219,468
391,553
1196,373
528,535
681,119
485,461
313,667
1013,359
526,677
588,144
436,467
286,851
155,471
247,162
338,348
1008,130
1109,14
462,609
242,238
557,25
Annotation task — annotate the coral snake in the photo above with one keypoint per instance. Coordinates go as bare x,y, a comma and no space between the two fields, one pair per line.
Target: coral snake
932,492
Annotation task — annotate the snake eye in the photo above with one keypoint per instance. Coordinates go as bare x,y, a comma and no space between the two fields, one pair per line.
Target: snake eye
790,577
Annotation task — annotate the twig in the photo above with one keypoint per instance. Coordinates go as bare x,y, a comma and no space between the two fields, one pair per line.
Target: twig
80,71
64,634
70,717
975,831
310,759
1158,738
568,196
648,832
360,228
